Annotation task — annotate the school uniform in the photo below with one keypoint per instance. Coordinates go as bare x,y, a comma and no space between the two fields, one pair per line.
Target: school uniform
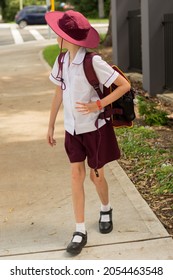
78,89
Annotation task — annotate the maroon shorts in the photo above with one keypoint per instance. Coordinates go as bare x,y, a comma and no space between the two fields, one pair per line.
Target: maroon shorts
99,146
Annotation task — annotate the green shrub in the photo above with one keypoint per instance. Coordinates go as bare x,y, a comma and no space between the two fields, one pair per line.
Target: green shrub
152,115
90,8
12,7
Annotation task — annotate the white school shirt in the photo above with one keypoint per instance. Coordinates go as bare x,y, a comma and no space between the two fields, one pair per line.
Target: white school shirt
78,89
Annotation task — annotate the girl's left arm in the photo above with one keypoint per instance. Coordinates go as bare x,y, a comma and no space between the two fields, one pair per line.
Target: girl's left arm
123,86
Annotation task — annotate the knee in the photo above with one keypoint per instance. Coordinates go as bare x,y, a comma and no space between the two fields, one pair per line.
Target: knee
92,176
96,180
78,174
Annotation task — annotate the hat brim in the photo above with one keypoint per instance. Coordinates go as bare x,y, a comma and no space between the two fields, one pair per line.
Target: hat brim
91,41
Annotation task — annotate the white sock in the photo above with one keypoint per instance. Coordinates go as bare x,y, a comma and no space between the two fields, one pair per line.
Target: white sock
105,208
81,228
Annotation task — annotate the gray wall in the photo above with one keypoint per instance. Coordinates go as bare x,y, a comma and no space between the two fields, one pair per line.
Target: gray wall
120,35
152,12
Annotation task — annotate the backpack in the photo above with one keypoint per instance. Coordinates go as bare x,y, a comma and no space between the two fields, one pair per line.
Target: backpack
121,111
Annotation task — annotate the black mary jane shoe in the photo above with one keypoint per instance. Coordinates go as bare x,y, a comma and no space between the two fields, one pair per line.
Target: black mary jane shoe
75,248
106,227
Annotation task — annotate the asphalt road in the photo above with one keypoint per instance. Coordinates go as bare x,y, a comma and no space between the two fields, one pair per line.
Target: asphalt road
11,34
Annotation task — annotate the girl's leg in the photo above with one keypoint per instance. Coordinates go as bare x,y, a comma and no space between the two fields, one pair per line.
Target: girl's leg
79,239
101,185
105,221
78,196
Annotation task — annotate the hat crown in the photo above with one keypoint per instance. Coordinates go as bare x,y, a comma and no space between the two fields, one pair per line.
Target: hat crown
75,25
75,20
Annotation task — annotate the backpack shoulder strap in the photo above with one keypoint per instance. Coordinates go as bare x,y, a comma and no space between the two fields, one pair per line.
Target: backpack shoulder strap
90,72
60,60
60,70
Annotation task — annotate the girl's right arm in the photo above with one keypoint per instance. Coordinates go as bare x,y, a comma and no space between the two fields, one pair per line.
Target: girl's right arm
56,103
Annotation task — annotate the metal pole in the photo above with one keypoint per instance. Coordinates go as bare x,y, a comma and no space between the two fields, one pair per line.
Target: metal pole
20,4
52,5
48,8
101,8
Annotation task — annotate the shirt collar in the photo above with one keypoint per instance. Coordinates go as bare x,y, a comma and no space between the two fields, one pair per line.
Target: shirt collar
79,58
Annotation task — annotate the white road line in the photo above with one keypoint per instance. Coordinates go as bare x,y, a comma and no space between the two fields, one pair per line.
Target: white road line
16,35
36,34
4,25
100,24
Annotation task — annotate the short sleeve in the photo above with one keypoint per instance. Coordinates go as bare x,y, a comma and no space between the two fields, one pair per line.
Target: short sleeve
54,72
105,73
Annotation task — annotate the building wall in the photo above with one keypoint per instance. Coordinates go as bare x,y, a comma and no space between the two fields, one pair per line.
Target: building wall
152,12
120,34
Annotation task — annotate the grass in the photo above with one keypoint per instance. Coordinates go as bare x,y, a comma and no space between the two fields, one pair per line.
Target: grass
147,159
165,178
100,20
50,53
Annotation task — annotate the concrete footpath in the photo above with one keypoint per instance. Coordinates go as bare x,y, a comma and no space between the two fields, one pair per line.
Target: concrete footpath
36,217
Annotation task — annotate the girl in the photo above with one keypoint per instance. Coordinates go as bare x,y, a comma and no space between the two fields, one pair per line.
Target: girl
83,140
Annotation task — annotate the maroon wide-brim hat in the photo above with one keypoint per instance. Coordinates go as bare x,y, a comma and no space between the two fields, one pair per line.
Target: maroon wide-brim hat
73,27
